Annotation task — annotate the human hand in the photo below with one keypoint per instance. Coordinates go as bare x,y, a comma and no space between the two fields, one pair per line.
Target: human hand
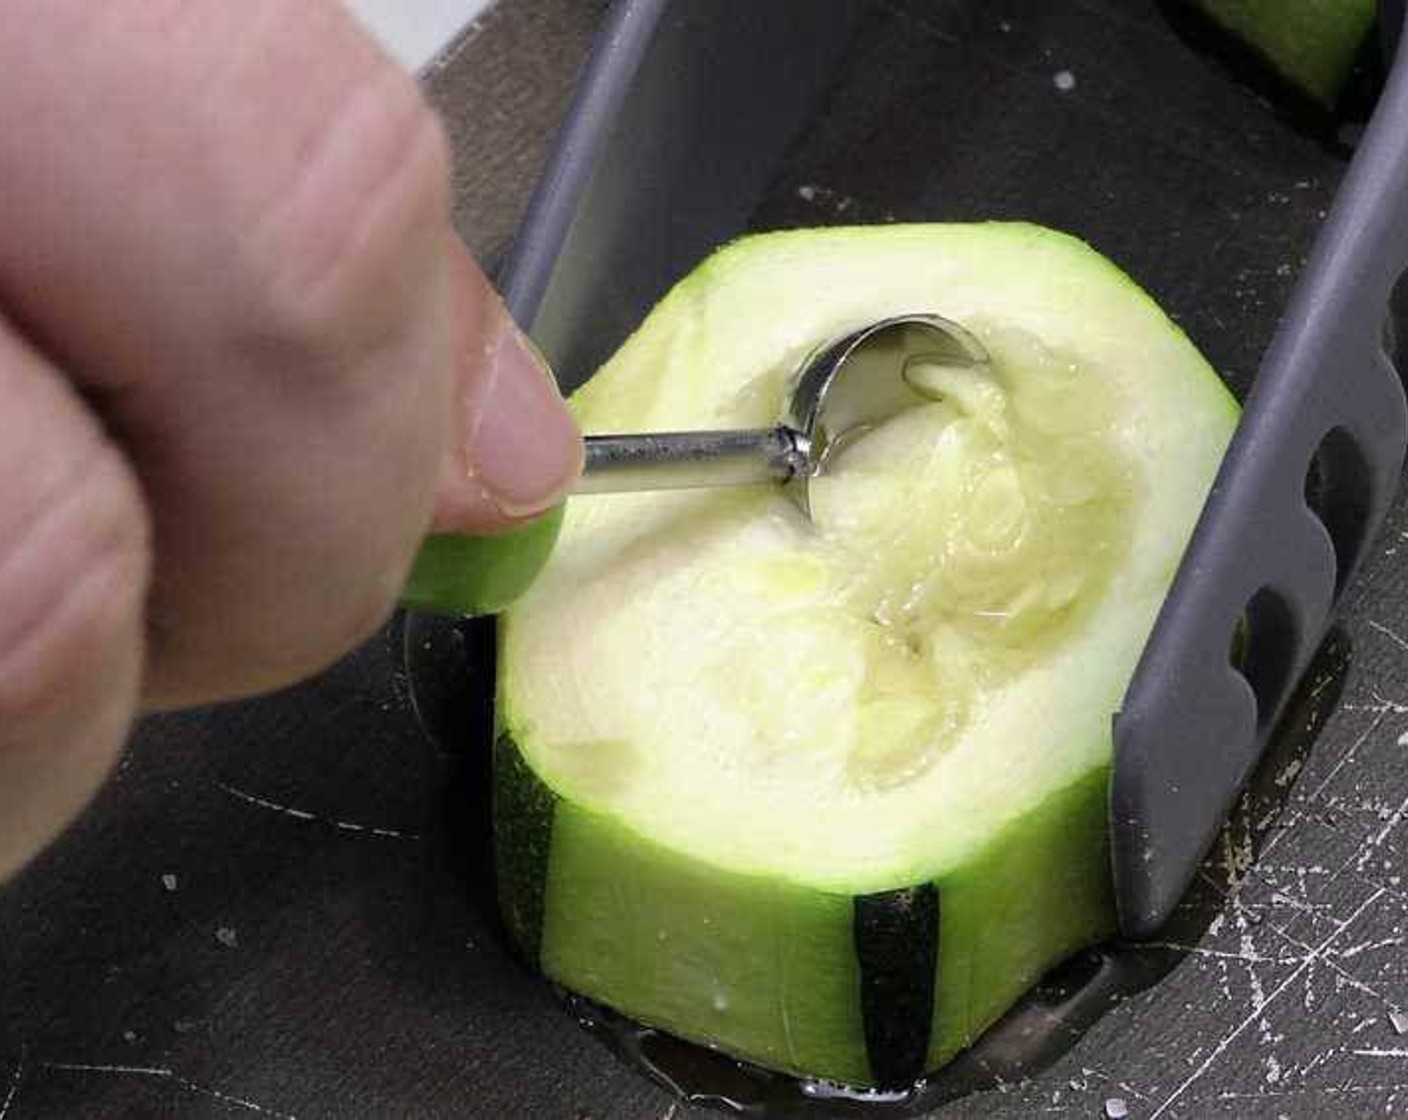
244,366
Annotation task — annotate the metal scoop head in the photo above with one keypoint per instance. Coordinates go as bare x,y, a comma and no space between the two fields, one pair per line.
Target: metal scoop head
855,384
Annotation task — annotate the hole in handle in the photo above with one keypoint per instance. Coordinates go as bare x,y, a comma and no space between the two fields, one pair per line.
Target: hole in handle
1337,492
1263,650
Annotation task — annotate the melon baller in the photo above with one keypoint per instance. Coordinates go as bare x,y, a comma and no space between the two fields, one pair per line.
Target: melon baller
841,391
845,387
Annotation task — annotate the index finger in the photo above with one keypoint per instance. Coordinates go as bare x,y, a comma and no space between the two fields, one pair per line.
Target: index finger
229,224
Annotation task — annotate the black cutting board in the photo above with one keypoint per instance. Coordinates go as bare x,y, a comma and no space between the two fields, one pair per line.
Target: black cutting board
261,916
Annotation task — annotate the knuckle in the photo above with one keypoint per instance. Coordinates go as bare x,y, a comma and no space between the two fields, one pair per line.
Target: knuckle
348,234
74,568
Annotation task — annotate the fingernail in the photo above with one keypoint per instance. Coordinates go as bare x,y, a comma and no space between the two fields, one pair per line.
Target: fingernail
527,449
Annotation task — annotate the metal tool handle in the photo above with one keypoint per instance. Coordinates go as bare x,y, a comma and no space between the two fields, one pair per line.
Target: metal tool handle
690,460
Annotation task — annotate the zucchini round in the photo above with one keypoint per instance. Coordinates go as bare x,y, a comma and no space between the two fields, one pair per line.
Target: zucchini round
1313,44
829,796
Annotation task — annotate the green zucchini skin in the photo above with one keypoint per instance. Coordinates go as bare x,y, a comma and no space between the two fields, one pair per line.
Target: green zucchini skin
894,935
897,947
872,989
523,808
1313,44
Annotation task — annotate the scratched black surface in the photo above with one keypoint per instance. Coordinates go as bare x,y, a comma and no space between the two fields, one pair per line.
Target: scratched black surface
305,965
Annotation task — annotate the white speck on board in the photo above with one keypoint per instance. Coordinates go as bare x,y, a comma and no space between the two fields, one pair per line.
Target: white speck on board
1064,80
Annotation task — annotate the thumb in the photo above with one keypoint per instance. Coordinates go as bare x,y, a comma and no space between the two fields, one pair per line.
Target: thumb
514,449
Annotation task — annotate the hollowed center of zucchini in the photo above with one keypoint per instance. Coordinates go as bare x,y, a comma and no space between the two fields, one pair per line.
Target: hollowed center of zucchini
961,540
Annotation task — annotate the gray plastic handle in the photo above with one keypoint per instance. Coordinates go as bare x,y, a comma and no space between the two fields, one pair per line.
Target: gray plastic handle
643,183
1193,726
